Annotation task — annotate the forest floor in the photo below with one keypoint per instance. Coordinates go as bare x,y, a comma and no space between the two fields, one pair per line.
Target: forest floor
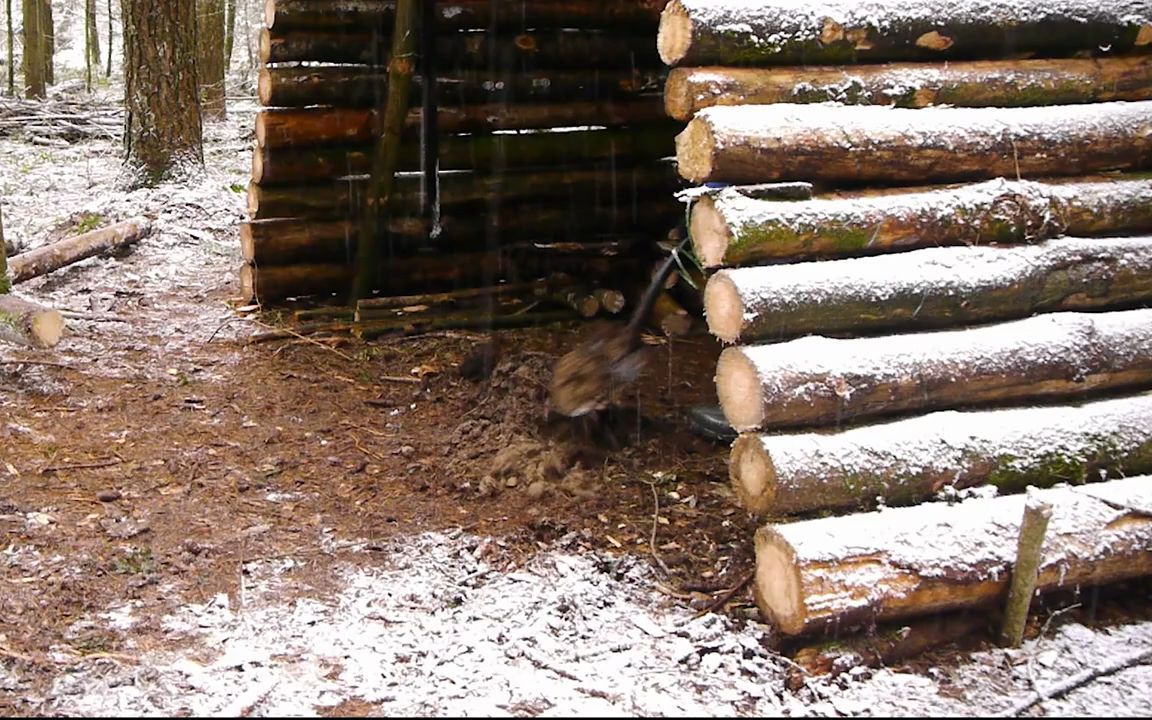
194,524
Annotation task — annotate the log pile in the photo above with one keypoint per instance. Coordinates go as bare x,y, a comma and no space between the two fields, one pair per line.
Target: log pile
959,306
531,127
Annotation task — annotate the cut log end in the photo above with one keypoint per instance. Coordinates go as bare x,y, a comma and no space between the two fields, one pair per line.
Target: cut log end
261,130
674,36
248,283
710,233
694,151
269,13
776,586
23,322
264,87
738,389
247,243
753,474
678,95
48,328
723,307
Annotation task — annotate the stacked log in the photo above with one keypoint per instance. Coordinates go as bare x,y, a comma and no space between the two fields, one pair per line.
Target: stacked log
548,133
961,300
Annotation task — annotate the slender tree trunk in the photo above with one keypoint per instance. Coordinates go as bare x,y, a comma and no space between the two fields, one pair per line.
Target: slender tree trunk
35,48
5,283
210,54
50,42
91,41
229,32
11,50
163,137
108,68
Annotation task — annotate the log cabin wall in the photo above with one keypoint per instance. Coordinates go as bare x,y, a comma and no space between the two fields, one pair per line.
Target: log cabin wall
553,149
927,229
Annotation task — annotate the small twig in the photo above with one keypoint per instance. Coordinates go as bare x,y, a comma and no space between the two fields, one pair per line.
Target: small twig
727,595
655,523
81,466
34,362
288,331
1079,680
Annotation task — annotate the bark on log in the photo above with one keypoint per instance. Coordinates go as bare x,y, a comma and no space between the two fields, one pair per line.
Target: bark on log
317,126
345,86
879,144
980,83
529,51
54,256
466,14
842,32
911,460
29,324
818,381
851,570
624,147
614,187
730,229
927,288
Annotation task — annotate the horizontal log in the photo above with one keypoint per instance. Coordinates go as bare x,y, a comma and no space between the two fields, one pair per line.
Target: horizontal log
589,187
315,126
55,255
466,14
731,229
524,52
842,32
346,86
979,83
420,273
624,147
29,324
847,571
880,144
908,461
287,241
927,288
817,381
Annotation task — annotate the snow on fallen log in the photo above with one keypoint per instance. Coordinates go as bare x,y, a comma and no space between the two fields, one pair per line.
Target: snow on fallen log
839,572
926,288
980,83
853,144
729,228
819,381
908,461
54,256
25,323
839,32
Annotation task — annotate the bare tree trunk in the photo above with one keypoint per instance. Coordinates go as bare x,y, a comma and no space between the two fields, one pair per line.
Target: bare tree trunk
229,32
163,136
210,52
11,50
5,283
91,41
108,69
49,28
35,49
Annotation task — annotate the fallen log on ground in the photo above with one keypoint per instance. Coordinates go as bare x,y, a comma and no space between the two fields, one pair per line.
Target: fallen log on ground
819,381
841,32
731,229
858,144
299,127
980,83
858,569
54,256
927,288
25,323
465,14
911,460
480,153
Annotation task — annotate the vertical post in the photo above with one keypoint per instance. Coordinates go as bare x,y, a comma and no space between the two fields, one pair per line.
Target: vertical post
1032,529
429,127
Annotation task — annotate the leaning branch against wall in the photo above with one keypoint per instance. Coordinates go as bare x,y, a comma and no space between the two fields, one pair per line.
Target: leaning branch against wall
979,83
729,228
837,32
911,460
927,288
881,144
818,381
850,570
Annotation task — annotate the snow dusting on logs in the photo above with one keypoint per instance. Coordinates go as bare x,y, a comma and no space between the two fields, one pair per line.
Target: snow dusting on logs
839,572
915,459
814,380
834,32
883,144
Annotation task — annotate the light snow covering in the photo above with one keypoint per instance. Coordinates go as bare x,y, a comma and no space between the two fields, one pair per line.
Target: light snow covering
797,370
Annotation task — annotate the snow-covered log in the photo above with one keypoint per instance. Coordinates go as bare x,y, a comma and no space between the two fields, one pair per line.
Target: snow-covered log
729,228
857,569
979,83
819,381
907,461
838,32
46,258
836,143
29,324
927,288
